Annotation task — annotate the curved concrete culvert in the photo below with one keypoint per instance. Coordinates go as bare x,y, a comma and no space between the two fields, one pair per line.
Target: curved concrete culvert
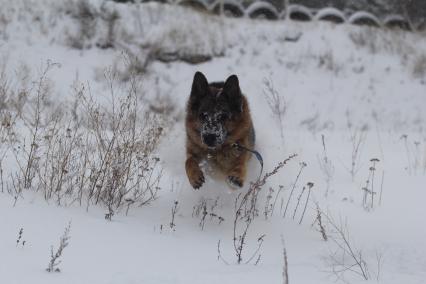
230,8
330,14
195,4
300,13
262,9
363,18
397,22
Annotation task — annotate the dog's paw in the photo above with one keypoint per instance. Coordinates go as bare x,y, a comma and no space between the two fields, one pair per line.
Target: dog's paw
196,179
235,181
194,173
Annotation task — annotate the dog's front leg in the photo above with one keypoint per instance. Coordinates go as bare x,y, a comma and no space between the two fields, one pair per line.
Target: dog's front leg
237,172
194,173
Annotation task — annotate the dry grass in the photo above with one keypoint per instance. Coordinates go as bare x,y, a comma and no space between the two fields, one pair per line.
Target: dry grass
89,154
246,211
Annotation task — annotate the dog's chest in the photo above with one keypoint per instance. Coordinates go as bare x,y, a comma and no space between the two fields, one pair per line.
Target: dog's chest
223,156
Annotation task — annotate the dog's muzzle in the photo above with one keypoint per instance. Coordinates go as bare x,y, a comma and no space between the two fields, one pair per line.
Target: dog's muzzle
211,140
213,133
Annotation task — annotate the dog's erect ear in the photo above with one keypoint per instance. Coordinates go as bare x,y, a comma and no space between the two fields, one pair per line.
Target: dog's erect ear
200,88
199,85
232,91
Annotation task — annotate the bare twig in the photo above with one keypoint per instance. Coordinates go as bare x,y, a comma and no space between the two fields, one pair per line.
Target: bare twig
381,188
175,209
219,254
285,264
309,185
54,257
320,223
407,152
326,165
302,166
276,103
246,211
345,250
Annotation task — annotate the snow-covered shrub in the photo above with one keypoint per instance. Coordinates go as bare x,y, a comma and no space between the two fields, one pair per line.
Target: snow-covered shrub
89,154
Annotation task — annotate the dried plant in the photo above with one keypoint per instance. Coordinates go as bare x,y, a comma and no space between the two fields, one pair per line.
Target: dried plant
246,211
219,254
357,138
310,185
368,189
407,152
302,166
326,165
345,258
277,104
175,210
414,154
321,224
18,240
285,264
93,154
207,208
268,209
54,256
280,189
34,124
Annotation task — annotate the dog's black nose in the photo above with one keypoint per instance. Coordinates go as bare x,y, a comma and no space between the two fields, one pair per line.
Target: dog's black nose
210,140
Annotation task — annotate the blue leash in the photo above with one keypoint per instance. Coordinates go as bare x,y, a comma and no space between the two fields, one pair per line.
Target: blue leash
256,154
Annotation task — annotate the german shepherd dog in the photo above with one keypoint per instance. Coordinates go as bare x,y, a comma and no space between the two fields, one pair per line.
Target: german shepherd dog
218,121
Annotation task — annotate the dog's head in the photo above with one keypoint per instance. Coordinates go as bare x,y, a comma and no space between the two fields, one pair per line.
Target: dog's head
214,106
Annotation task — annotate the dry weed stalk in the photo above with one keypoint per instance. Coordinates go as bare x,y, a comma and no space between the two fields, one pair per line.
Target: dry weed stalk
381,188
414,155
302,166
34,125
246,211
368,189
310,185
417,156
407,152
268,209
320,223
204,209
54,257
346,257
358,137
219,254
326,165
280,188
175,209
285,264
277,104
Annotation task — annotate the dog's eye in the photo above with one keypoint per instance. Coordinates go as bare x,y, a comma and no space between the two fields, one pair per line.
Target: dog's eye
222,116
203,115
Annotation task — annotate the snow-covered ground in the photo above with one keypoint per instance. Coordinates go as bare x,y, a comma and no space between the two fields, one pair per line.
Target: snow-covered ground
347,95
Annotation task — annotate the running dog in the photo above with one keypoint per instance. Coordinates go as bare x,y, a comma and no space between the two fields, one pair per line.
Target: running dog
218,128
